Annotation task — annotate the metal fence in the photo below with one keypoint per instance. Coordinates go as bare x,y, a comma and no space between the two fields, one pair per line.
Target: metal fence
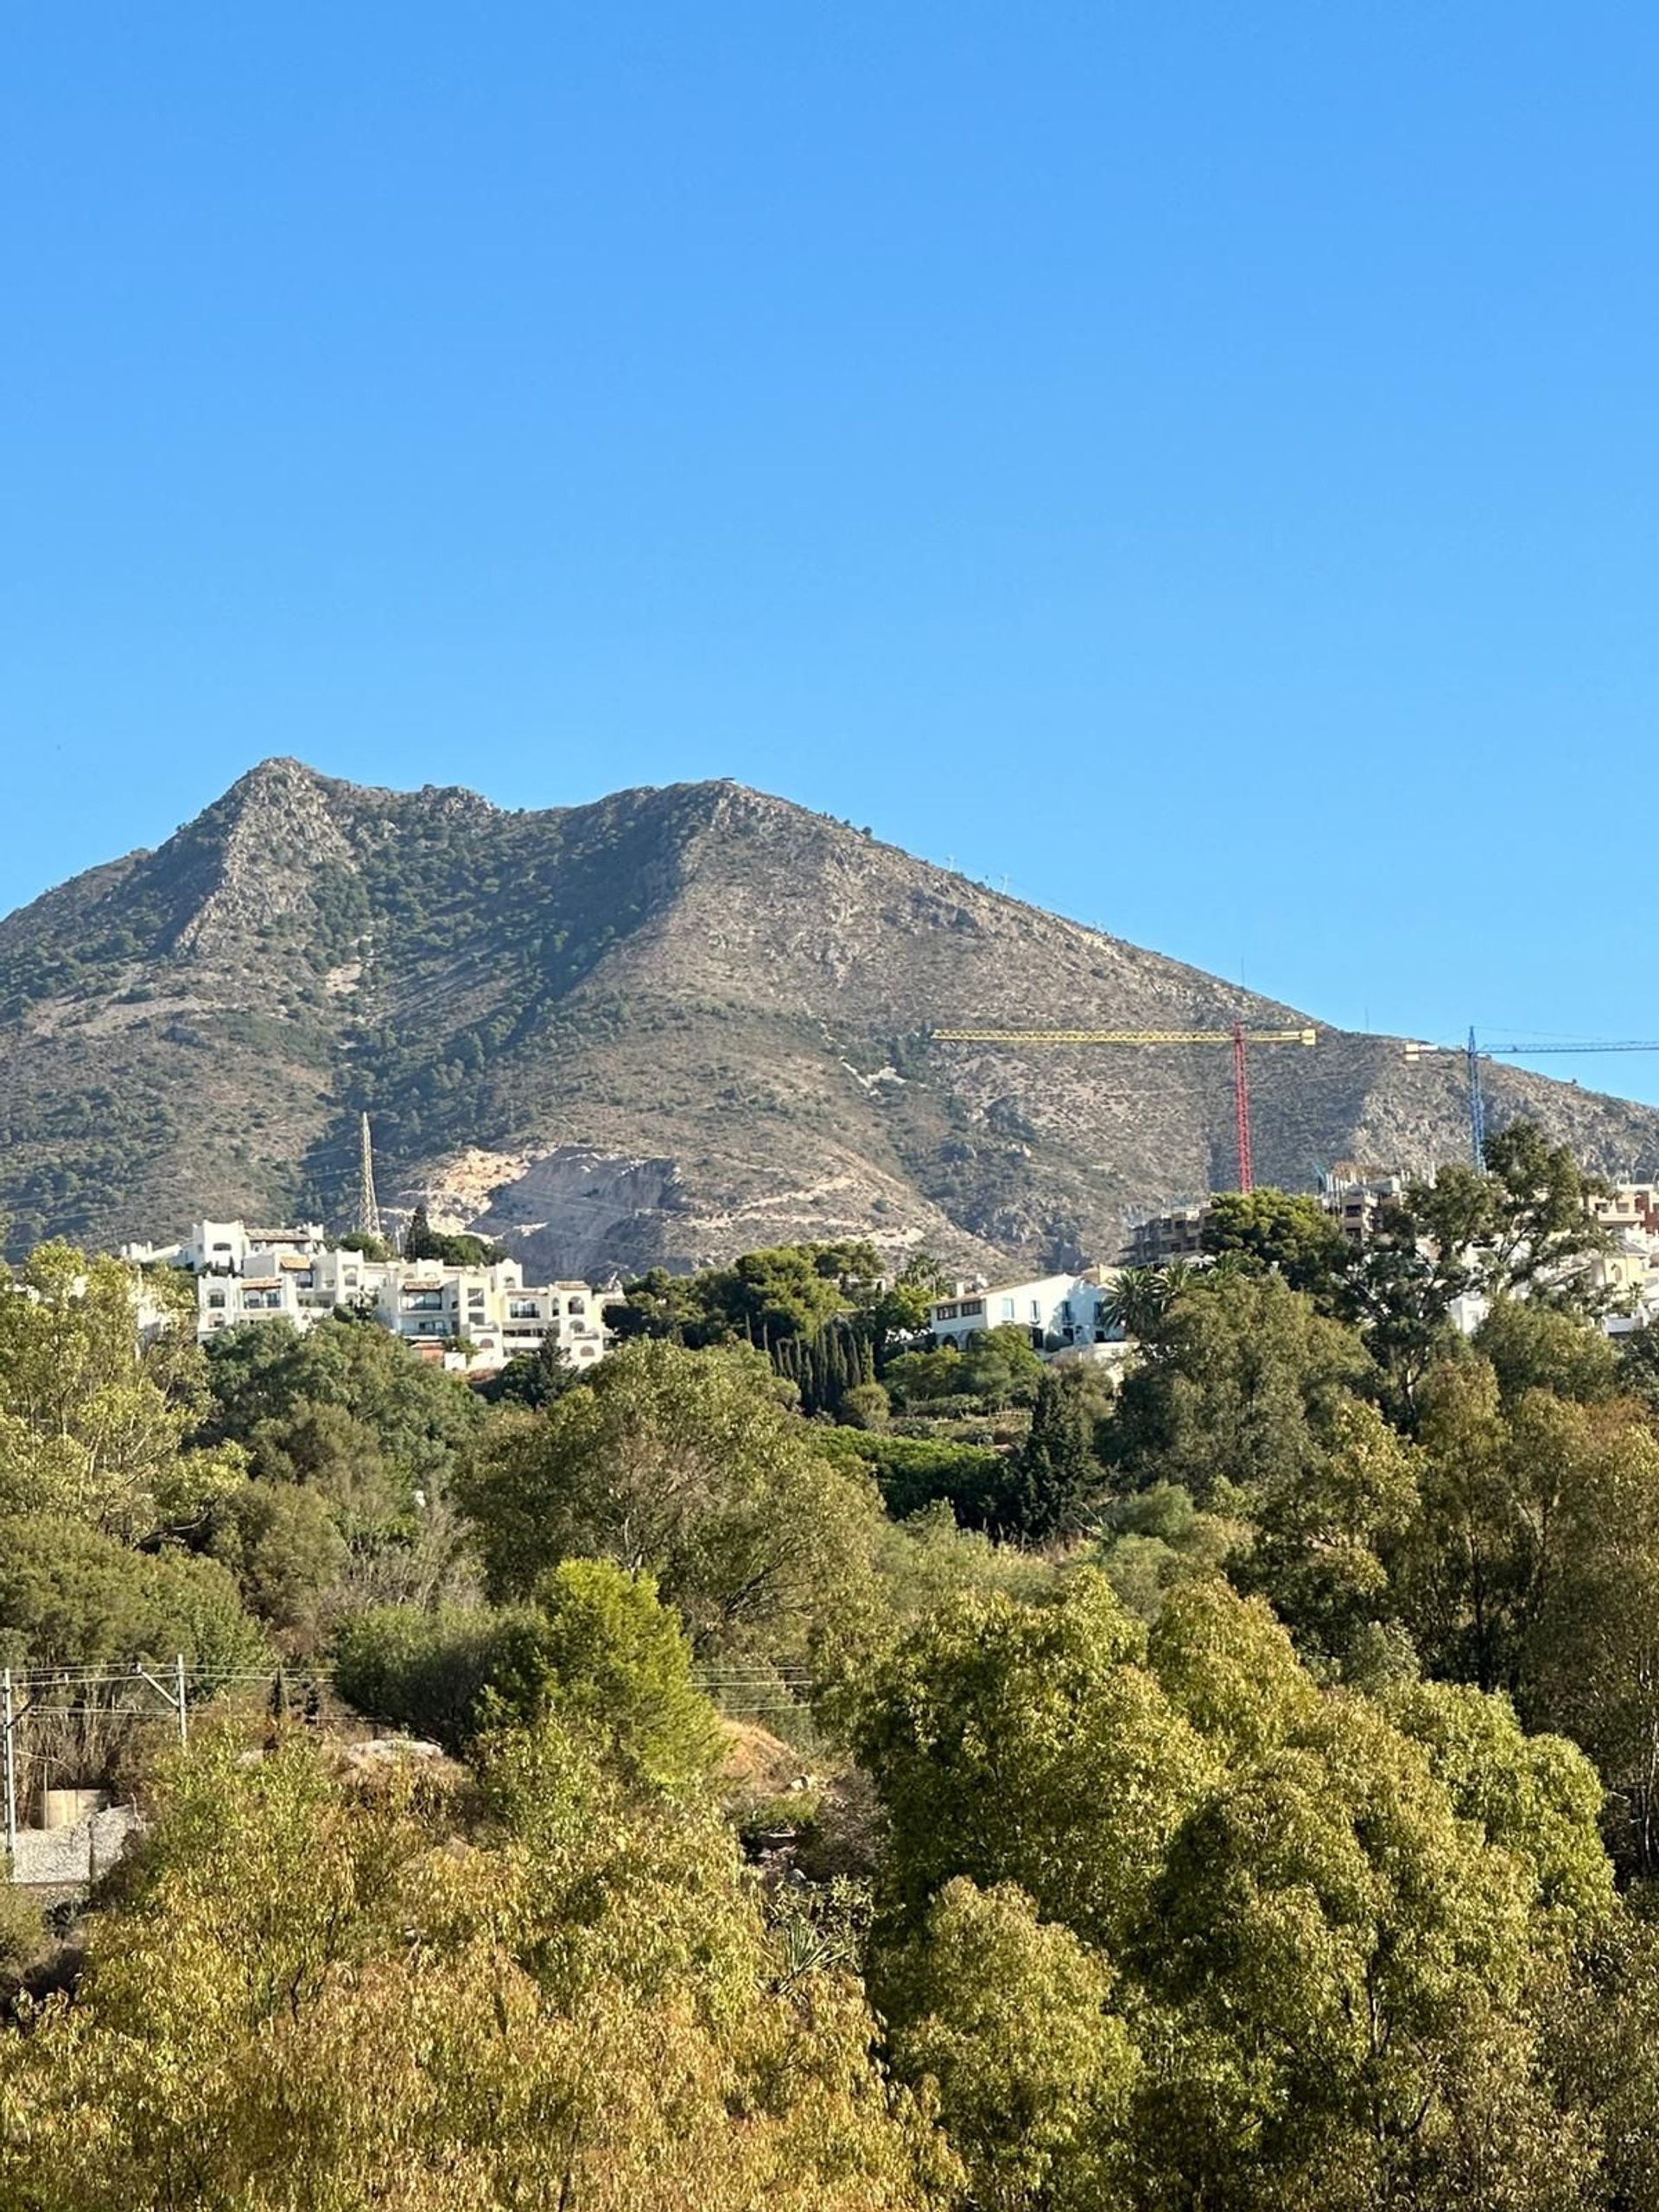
62,1718
50,1716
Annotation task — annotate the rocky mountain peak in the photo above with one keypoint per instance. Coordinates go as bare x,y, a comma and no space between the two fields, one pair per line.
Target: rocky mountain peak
248,859
668,1025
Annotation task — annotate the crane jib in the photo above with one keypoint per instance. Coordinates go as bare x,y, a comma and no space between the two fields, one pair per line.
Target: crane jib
1239,1036
1124,1036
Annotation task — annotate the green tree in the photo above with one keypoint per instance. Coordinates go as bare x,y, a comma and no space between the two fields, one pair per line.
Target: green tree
422,1242
595,1651
281,1543
1029,1744
1517,1227
92,1424
421,1419
914,1472
1335,1941
324,1448
1467,1563
764,1298
1587,1661
1154,1538
308,1995
1535,1346
682,1465
71,1597
865,1405
1324,1539
1289,1232
904,1308
1352,1974
534,1379
615,1664
1010,2017
914,1379
1138,1297
1055,1474
1238,1392
371,1248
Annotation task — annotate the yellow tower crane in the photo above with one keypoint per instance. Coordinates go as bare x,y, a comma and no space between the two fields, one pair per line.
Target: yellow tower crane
1239,1036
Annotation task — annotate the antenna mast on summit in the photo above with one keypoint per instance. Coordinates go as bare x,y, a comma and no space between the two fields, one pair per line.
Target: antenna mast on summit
368,1212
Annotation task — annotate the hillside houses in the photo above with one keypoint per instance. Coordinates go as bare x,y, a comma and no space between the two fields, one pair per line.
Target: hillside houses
474,1318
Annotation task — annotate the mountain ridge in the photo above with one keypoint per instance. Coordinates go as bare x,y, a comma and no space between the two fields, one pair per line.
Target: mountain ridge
664,1025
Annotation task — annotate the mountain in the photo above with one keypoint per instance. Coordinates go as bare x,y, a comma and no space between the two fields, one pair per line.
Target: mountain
668,1027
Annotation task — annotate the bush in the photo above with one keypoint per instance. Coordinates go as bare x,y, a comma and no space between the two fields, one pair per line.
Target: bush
425,1672
23,1932
913,1473
597,1649
70,1597
865,1406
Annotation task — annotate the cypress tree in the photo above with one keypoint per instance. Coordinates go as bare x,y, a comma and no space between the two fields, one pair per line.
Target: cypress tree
1055,1474
811,1375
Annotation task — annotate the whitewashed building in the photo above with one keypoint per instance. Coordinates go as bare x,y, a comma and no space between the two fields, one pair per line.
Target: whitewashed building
1059,1312
471,1319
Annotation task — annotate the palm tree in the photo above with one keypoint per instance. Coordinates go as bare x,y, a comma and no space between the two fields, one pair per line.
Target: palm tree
1140,1298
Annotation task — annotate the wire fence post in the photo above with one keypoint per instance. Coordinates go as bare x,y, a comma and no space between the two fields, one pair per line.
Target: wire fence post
184,1710
9,1722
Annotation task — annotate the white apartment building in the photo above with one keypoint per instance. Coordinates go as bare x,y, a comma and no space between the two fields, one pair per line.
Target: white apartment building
1060,1312
474,1319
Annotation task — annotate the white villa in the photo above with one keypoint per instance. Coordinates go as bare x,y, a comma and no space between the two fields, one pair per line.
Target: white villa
1062,1313
302,1275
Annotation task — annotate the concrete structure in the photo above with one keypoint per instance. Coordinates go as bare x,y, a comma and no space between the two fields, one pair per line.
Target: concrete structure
1177,1235
299,1275
1628,1272
1356,1197
1059,1311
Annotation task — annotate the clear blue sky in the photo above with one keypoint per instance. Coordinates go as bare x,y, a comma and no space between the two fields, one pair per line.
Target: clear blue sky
1197,463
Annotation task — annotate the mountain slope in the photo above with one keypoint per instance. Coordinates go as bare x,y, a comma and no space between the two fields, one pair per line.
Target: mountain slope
668,1025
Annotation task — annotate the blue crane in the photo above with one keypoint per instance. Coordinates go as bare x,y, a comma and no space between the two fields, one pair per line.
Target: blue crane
1474,1052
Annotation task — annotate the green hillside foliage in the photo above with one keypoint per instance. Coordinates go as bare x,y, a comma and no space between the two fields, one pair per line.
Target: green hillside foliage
1230,1789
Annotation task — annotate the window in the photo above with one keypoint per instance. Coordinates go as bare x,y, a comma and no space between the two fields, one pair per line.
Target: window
578,1306
216,1298
423,1301
1036,1310
1007,1309
972,1306
523,1309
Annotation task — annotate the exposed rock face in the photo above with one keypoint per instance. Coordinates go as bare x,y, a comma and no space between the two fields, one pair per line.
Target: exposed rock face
668,1027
